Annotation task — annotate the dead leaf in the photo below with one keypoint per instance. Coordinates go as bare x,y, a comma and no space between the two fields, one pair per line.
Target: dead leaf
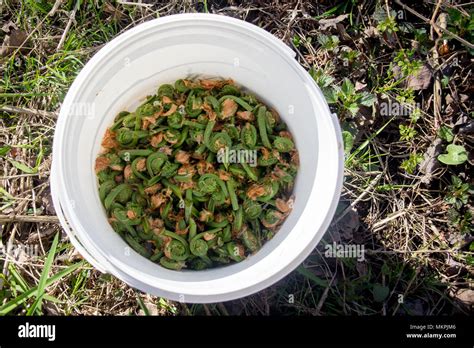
421,80
151,308
349,224
331,22
371,31
362,268
466,296
412,307
15,38
229,108
47,202
115,14
465,128
359,85
430,162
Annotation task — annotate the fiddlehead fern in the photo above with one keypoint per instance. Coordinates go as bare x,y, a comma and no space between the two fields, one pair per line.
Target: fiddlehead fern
262,126
177,248
170,193
283,144
249,135
155,162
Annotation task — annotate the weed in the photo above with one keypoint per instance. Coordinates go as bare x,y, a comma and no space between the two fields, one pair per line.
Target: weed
407,133
409,165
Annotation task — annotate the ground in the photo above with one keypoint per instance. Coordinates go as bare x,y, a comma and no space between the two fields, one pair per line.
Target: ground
398,75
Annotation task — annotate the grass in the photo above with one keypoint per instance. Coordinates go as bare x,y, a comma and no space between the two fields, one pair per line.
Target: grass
415,224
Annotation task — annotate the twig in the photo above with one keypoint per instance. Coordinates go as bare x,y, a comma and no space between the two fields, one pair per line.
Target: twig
358,199
382,223
437,88
433,20
55,7
72,15
206,309
7,259
324,296
222,309
446,31
134,3
410,282
29,218
35,112
448,60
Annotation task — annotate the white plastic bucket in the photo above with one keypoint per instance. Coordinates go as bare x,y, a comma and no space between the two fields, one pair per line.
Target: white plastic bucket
131,67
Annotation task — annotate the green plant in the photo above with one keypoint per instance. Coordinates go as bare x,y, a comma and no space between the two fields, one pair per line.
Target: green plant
348,139
462,24
446,133
350,100
44,277
461,221
296,41
324,81
380,292
407,133
386,21
343,7
456,154
389,25
409,66
458,192
349,56
35,291
409,165
415,114
328,42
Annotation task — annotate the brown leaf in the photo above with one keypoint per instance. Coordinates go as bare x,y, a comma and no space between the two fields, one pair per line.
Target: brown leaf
256,191
210,84
116,167
331,22
246,115
141,164
172,110
209,112
156,139
182,157
115,14
421,80
229,107
349,224
109,141
466,296
209,236
430,162
157,200
127,172
101,163
223,175
151,190
283,206
205,215
15,38
131,214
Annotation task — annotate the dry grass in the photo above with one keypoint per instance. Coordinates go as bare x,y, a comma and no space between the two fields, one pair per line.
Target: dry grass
412,247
